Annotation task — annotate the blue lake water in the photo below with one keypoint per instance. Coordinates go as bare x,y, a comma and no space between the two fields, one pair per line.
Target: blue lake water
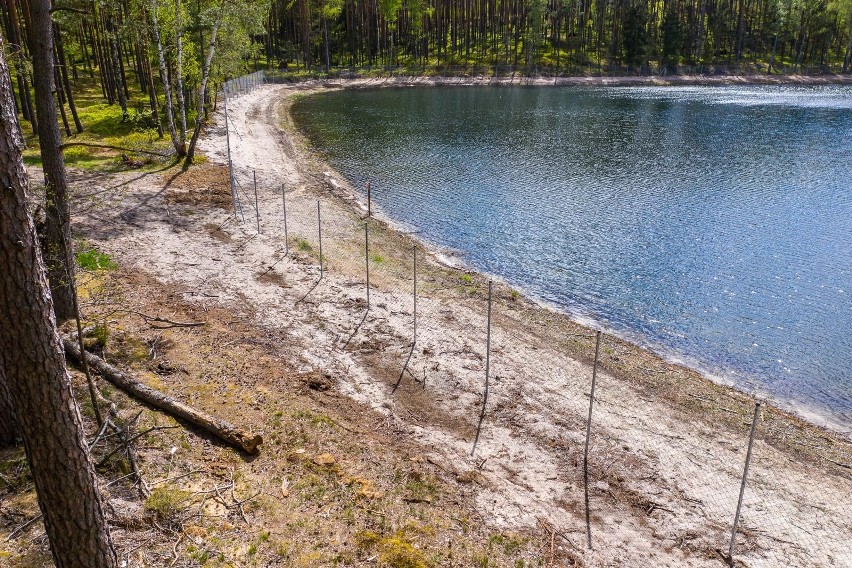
711,224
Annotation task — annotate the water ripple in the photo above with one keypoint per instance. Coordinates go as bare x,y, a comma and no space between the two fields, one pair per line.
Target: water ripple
713,224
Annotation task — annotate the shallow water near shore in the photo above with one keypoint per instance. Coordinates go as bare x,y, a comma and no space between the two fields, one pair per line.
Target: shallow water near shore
711,224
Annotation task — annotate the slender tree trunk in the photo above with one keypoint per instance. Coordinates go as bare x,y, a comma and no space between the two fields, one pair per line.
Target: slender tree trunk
119,50
772,57
87,60
326,44
152,91
36,382
164,78
104,66
203,90
23,84
57,243
179,80
60,96
117,68
63,69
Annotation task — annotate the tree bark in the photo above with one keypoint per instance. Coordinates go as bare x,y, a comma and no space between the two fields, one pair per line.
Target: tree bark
37,383
8,424
223,430
57,245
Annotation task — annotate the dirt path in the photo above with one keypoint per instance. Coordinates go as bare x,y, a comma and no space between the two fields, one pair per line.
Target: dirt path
668,447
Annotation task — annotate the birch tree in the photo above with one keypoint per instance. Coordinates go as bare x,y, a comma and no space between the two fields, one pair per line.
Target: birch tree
205,75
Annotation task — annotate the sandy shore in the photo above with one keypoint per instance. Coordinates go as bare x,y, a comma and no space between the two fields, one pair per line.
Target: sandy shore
667,445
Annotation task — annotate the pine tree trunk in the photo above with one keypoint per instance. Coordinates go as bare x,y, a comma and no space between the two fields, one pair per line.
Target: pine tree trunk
66,84
84,40
31,355
23,84
60,95
58,258
117,68
8,426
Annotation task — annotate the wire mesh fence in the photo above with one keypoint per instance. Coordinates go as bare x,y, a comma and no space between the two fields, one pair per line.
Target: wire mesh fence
441,337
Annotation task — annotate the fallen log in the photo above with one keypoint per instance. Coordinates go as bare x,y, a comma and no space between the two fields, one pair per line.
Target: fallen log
223,430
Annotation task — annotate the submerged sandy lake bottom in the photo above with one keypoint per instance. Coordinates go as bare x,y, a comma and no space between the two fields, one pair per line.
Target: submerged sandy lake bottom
711,224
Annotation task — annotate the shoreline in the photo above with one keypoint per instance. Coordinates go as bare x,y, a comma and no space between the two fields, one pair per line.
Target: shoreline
578,81
455,259
667,445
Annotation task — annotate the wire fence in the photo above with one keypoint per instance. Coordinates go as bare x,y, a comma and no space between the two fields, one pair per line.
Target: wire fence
446,340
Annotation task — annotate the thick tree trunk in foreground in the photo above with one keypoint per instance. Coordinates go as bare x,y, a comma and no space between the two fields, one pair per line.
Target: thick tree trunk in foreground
37,383
222,429
60,267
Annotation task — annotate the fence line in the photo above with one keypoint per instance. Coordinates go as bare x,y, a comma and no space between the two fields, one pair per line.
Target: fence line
383,279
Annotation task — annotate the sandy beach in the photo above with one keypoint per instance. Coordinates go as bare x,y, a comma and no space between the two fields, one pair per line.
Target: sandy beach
668,445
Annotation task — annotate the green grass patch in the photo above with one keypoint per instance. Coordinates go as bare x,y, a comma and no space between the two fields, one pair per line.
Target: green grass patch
104,124
166,502
91,259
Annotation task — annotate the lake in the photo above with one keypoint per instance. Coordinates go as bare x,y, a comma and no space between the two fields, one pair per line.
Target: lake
710,224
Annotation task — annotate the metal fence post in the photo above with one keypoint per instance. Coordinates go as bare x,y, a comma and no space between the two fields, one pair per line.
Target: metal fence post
414,341
284,204
369,200
367,259
487,349
743,484
319,231
487,371
234,198
256,205
588,435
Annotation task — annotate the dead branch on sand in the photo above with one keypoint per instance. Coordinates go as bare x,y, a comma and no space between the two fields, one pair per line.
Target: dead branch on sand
223,430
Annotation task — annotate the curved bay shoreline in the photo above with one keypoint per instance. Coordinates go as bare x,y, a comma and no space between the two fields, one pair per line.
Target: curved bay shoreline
455,259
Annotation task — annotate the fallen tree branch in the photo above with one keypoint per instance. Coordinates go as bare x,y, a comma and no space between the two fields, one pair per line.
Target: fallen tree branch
108,147
148,319
223,430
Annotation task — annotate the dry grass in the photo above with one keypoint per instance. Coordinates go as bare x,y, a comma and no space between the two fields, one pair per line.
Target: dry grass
203,185
334,485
